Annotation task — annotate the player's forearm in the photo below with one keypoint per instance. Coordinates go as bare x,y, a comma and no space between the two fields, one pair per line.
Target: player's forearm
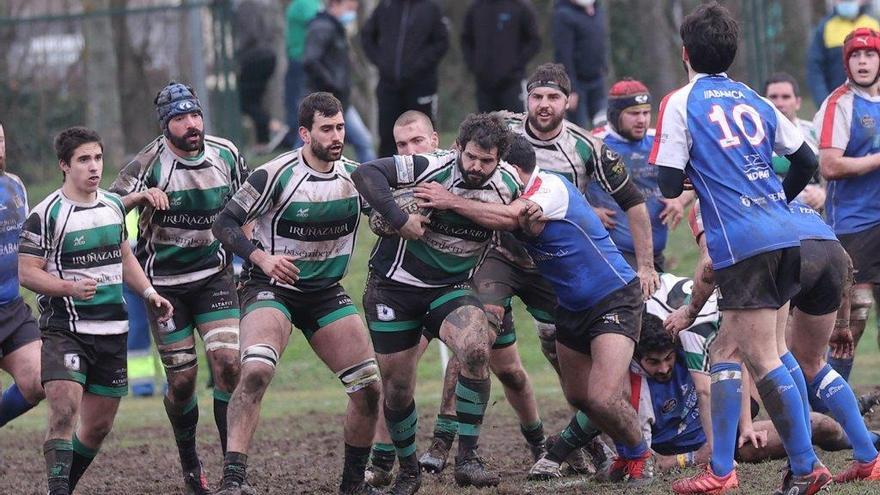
643,242
704,282
129,201
132,273
704,403
493,216
803,166
228,230
36,279
374,180
833,165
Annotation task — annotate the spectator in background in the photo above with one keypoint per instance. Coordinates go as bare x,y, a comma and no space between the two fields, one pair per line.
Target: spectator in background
782,89
299,14
498,39
256,36
824,69
579,41
328,68
405,40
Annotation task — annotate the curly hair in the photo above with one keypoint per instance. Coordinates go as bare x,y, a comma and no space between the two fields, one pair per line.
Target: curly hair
654,337
486,130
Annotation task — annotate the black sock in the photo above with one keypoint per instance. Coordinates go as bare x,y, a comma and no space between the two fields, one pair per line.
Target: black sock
183,421
355,464
383,456
471,398
221,405
234,468
577,434
82,457
533,433
59,456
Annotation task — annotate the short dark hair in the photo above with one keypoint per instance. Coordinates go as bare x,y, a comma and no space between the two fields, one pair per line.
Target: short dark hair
68,140
654,338
710,36
783,77
551,72
521,154
486,130
321,102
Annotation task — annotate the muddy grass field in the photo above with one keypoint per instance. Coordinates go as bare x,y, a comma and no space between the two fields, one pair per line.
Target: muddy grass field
301,454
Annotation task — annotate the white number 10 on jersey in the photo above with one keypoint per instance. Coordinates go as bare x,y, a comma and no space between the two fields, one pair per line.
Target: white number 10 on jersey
739,112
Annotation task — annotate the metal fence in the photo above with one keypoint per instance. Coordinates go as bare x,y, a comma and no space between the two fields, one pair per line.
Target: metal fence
100,63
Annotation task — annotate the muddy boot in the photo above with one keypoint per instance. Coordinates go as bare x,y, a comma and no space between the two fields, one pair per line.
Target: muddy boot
378,477
544,469
196,482
362,489
470,470
408,480
538,449
434,459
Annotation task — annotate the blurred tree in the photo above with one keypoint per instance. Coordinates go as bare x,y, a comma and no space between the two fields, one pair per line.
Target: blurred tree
102,89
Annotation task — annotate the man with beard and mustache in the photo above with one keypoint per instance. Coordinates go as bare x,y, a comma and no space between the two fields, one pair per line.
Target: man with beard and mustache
420,278
180,182
306,211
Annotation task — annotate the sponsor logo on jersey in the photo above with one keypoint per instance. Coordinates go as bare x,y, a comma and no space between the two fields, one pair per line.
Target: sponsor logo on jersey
834,389
79,241
723,93
669,406
612,318
71,361
868,122
265,295
177,201
384,313
302,213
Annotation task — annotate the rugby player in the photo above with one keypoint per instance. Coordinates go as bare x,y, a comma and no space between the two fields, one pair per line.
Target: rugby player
600,298
850,162
629,134
306,212
422,278
179,183
75,256
565,148
19,334
720,135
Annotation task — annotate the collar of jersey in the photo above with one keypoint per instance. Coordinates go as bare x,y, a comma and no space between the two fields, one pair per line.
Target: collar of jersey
80,203
325,175
861,93
532,179
701,75
535,139
187,160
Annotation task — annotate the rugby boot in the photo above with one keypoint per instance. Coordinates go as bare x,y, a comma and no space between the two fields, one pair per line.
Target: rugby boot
434,459
538,449
807,484
601,455
235,488
869,471
407,482
544,469
196,482
576,462
706,482
634,472
361,489
867,402
378,477
470,470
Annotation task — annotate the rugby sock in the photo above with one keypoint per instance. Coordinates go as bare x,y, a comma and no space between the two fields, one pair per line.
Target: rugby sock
797,374
402,428
533,433
726,390
82,457
183,421
816,403
221,405
59,455
839,397
784,406
471,398
632,452
355,464
843,366
577,434
13,405
234,468
383,456
445,428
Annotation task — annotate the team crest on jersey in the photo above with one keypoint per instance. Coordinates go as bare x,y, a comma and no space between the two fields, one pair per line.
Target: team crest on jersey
167,327
265,295
302,213
612,318
669,406
868,122
176,201
79,241
384,313
71,361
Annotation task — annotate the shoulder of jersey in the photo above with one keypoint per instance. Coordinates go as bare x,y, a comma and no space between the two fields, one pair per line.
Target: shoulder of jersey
15,178
219,142
43,205
281,161
114,199
511,119
600,132
508,173
348,164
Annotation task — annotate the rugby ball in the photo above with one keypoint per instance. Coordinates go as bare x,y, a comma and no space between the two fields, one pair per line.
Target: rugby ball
406,200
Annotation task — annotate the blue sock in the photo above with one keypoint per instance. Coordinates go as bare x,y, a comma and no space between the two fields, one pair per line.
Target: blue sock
816,403
843,366
794,368
839,398
875,438
785,407
726,391
12,405
633,452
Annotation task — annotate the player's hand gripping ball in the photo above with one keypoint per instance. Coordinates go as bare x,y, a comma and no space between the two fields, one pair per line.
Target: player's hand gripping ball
407,202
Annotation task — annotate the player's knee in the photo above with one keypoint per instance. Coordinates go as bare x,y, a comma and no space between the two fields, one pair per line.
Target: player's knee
477,358
226,367
62,418
32,389
258,364
222,338
177,361
860,305
514,379
360,376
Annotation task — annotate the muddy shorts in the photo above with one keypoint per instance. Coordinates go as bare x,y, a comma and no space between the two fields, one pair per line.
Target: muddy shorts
864,249
196,303
397,314
823,274
766,280
619,312
17,327
97,362
308,311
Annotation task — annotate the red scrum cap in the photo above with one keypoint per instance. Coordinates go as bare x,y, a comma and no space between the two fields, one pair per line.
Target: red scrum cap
860,39
623,94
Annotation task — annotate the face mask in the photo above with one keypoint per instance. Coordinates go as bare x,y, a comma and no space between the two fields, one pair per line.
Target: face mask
848,9
348,17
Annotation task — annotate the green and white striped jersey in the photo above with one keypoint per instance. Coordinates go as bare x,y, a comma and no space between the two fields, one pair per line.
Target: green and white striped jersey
176,246
575,154
310,215
453,246
78,241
